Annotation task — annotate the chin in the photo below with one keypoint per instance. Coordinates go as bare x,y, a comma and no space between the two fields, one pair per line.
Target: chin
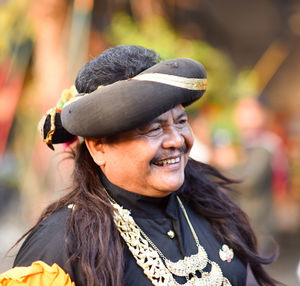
172,186
167,183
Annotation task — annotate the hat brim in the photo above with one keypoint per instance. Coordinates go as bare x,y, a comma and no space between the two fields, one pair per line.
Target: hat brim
127,104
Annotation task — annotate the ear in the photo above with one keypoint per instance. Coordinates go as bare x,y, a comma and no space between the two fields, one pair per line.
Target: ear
95,148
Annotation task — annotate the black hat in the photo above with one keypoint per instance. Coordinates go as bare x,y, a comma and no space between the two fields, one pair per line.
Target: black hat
127,104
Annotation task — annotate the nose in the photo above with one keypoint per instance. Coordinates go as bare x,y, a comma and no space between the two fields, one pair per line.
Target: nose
173,139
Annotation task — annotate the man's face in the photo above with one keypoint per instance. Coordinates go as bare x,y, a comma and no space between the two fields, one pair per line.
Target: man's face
149,160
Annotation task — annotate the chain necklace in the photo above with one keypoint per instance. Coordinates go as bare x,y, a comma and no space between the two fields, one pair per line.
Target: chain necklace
150,258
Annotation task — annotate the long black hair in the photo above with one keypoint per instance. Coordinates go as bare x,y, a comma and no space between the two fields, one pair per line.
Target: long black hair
206,191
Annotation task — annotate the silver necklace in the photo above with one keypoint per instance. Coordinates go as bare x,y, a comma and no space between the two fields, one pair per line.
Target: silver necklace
150,258
190,264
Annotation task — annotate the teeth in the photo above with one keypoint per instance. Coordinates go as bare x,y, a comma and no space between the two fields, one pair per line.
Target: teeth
169,161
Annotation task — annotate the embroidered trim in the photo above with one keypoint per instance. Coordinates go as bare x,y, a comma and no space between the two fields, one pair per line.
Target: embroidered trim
173,80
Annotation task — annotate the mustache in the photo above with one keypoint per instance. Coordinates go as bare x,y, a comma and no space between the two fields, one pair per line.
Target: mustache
171,152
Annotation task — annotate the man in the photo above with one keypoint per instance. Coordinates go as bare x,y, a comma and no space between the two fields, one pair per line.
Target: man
141,212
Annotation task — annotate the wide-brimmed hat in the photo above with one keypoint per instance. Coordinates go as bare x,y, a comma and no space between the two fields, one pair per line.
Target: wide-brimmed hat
126,104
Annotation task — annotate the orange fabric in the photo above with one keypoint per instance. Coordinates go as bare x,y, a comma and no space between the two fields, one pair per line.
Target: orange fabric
38,273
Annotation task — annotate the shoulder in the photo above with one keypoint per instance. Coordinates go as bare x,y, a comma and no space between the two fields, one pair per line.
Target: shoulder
46,241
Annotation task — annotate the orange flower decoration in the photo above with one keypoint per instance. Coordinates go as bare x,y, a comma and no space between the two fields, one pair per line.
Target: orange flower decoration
38,273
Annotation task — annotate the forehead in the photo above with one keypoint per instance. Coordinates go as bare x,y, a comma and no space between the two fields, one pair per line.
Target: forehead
173,113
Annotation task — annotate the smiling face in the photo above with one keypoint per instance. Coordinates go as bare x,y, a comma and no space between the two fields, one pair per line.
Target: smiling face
149,160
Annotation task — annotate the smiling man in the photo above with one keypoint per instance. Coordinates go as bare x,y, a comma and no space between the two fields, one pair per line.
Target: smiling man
141,212
155,155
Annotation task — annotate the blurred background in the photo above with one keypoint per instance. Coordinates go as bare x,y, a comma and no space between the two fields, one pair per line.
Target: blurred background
247,124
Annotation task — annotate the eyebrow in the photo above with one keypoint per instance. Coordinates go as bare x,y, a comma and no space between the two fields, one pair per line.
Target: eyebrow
161,121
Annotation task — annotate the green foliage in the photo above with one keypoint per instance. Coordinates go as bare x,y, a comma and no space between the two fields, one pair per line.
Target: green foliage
246,84
15,28
155,33
224,120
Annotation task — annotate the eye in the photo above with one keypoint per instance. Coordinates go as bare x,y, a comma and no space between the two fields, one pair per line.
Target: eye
182,121
154,130
150,129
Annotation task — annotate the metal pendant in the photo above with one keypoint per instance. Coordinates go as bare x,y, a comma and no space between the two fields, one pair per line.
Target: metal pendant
188,265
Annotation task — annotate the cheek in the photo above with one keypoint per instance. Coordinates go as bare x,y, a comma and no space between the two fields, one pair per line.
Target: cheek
189,141
189,138
139,156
